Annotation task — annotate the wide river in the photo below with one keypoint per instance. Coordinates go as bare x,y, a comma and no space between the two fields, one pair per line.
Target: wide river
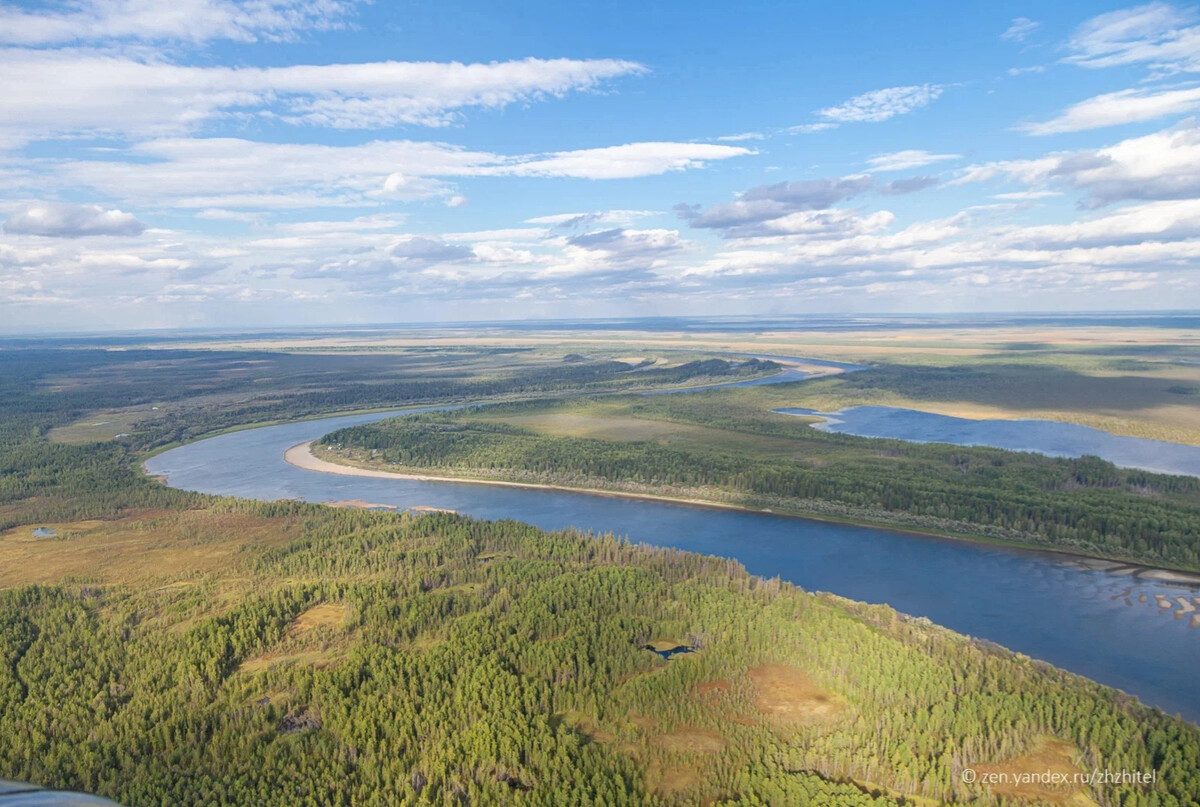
1128,631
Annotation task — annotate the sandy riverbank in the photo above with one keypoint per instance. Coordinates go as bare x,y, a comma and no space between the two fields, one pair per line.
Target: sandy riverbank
302,456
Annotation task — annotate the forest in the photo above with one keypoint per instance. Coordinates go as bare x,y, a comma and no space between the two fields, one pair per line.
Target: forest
329,656
1084,505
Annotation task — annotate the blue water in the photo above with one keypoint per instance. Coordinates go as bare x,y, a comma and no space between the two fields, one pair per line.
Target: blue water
1043,436
1040,604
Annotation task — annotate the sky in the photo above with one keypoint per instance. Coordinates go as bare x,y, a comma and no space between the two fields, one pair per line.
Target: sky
210,163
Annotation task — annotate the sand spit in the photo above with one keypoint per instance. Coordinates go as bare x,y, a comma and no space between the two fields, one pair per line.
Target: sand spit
1136,571
361,505
302,456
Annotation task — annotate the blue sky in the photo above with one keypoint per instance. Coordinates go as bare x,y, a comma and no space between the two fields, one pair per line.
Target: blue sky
212,163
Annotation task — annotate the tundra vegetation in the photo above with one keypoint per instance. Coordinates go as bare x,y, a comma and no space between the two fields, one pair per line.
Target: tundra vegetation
166,647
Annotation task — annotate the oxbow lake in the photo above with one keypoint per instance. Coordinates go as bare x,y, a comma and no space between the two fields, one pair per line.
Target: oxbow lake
1041,436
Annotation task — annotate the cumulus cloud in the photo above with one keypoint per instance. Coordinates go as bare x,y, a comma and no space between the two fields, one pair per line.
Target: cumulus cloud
1159,35
765,203
1159,166
910,158
182,20
622,247
1130,226
63,220
1114,108
880,105
68,91
419,252
1020,29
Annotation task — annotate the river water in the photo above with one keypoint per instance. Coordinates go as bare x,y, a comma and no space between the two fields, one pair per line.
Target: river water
1091,622
1043,436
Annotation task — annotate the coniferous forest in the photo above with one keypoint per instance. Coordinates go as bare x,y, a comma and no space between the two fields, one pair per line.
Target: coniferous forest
296,654
1083,505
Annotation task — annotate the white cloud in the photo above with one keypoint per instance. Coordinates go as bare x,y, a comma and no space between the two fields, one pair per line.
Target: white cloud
1115,108
761,211
738,138
1026,196
618,162
1020,29
235,173
910,158
182,20
566,221
1163,165
67,92
1158,35
810,128
879,105
63,220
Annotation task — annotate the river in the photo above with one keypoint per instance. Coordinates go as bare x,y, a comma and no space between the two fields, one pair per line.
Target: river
1087,621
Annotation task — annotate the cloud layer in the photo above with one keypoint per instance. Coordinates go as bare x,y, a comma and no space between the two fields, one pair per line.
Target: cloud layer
61,220
143,165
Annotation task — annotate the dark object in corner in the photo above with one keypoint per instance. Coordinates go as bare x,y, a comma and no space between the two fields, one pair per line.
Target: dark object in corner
19,794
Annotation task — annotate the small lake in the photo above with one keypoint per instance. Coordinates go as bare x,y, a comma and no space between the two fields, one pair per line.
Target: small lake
1041,436
1126,631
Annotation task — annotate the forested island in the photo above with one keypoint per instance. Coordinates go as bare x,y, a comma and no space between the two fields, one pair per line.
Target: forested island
165,647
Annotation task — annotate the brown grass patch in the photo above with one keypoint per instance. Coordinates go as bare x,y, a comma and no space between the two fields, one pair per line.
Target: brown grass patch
692,741
161,546
712,689
642,722
672,779
1048,754
786,693
327,613
319,659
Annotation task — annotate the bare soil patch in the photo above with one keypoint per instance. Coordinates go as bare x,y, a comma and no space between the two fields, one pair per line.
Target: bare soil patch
787,694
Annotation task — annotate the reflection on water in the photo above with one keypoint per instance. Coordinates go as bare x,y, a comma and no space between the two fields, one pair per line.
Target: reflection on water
1043,436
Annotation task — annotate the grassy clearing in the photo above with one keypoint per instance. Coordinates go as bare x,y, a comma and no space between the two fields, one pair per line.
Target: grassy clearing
787,695
102,425
330,614
160,549
1049,755
316,658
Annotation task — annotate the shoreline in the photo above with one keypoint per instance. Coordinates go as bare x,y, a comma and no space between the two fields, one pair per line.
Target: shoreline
302,456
